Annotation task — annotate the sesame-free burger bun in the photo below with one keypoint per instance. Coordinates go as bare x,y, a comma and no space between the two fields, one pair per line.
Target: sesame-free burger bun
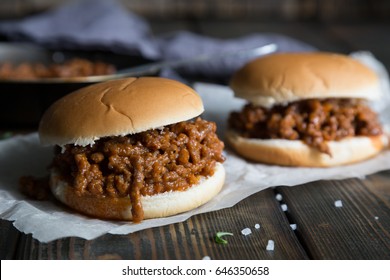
285,77
117,107
297,153
155,206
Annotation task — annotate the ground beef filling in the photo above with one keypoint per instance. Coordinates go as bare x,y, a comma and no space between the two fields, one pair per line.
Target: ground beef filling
313,121
76,67
147,163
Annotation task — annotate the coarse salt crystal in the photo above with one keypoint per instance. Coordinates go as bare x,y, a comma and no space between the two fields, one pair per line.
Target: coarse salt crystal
257,226
206,258
338,203
376,218
293,226
284,207
246,231
270,245
278,197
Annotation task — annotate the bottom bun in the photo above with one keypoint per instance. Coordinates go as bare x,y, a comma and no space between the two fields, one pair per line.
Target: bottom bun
156,206
297,153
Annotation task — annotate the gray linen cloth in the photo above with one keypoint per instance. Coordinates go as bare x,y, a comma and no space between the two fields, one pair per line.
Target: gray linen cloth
106,25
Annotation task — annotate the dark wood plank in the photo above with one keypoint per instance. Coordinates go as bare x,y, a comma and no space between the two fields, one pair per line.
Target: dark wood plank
9,237
379,185
192,239
360,229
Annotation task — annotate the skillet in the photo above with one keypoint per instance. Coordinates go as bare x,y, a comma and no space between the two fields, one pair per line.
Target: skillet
24,101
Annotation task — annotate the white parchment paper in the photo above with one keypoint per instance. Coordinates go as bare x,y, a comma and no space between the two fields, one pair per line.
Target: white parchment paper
49,220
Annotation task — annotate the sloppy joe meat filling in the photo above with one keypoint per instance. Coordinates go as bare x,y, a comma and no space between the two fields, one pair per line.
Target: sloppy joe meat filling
156,161
76,67
314,121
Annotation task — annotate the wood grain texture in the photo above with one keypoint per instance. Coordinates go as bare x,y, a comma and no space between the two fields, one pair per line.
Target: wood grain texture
192,239
9,240
360,229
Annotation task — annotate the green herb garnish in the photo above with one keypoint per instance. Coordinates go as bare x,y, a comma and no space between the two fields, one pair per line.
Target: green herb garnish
219,235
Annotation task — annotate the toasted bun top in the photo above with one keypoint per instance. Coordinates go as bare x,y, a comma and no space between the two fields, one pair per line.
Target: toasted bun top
285,77
118,107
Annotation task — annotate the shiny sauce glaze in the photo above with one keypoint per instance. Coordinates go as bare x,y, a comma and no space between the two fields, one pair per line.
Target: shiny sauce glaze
172,158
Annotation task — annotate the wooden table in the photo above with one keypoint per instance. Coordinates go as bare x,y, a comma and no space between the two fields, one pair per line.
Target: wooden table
358,230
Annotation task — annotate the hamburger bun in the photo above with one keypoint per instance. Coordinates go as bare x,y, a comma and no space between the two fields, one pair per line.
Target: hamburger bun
296,153
286,77
283,78
156,206
119,108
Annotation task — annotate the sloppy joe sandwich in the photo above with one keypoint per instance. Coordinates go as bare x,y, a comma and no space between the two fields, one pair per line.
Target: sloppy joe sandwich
133,149
306,109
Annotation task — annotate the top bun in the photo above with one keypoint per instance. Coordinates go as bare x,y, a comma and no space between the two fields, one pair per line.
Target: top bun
118,107
286,77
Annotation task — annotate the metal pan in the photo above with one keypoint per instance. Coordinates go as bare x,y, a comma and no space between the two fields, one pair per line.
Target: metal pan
24,101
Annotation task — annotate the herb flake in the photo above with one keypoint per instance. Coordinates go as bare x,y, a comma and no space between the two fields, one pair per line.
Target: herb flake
219,237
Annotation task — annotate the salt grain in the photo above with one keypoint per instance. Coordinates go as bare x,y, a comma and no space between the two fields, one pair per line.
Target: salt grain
279,197
246,231
284,207
270,245
376,218
293,226
338,203
206,258
257,226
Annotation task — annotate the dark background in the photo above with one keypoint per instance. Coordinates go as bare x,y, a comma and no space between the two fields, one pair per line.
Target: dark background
333,25
325,11
330,25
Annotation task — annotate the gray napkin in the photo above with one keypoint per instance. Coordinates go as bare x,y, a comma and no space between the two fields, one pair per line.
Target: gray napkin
86,25
106,25
182,45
